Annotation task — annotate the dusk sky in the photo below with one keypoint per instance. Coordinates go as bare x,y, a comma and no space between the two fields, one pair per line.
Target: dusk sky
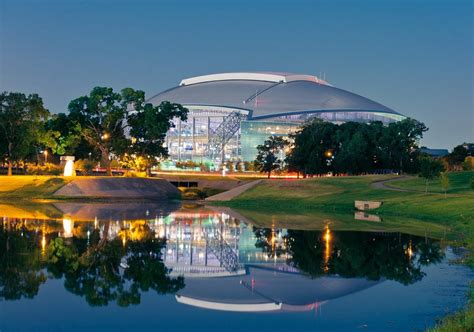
415,57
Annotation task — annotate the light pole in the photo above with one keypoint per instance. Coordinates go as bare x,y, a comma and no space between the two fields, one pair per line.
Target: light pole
45,156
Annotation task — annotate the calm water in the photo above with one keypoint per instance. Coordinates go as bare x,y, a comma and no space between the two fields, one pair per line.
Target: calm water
76,267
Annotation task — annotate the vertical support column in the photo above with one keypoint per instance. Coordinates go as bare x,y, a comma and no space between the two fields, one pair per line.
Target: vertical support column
179,139
194,134
208,133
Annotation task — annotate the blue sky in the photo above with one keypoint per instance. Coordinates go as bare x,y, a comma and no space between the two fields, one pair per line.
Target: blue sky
413,56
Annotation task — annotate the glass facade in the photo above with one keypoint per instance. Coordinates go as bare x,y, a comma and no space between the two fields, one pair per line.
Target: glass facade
254,133
188,140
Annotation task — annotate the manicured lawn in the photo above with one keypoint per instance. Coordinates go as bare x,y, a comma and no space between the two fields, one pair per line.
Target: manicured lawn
339,193
459,184
30,186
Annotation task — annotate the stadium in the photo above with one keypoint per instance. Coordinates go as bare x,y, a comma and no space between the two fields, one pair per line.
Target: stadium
230,114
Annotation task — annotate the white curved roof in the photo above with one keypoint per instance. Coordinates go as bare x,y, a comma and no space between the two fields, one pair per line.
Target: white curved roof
266,95
253,76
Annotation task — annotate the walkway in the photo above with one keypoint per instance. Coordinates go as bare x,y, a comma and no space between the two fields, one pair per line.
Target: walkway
229,194
383,184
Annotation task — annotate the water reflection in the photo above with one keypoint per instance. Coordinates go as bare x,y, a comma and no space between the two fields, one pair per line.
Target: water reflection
207,258
374,256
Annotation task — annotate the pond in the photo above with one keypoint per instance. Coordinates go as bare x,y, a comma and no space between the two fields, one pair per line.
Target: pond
143,266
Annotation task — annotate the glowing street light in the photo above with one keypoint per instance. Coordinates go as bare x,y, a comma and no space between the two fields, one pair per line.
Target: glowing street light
45,156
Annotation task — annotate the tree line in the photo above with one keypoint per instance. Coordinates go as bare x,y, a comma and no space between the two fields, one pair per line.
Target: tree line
100,125
353,148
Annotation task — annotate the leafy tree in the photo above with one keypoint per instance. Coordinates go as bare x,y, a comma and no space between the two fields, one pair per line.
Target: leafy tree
444,182
102,118
321,147
240,167
400,141
149,125
21,122
310,148
267,159
430,168
457,156
119,123
63,136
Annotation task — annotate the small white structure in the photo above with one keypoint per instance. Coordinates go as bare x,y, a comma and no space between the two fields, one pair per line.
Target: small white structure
68,162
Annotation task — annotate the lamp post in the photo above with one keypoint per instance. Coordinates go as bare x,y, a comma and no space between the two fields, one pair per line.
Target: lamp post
45,156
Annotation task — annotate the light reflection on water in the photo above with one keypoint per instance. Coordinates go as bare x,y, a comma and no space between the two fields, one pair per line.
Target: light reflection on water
214,264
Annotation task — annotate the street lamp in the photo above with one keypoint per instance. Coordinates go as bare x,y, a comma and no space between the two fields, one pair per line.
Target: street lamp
45,156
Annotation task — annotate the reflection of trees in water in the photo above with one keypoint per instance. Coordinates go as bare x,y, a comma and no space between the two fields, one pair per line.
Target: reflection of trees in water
20,275
99,269
398,257
268,241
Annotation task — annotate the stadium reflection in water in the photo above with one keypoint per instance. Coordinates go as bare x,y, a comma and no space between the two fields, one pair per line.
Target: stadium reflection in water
200,256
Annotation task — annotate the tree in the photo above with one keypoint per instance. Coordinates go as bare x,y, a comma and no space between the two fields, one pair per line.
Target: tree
21,120
321,147
102,118
444,182
430,168
148,127
267,159
63,135
399,143
119,123
311,147
457,156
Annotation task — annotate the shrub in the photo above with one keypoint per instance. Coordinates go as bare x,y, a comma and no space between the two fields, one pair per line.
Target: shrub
114,163
134,174
468,164
85,166
47,169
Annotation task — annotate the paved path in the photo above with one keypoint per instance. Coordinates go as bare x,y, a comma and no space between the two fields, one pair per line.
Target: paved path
229,194
383,184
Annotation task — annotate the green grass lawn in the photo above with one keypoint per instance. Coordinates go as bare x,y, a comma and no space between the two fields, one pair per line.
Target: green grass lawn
30,186
339,193
459,184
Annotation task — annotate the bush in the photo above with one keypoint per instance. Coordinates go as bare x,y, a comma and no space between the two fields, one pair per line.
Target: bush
197,193
134,174
85,166
47,169
468,164
114,163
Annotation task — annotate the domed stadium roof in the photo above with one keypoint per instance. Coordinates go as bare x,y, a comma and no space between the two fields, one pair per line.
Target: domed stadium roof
268,95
